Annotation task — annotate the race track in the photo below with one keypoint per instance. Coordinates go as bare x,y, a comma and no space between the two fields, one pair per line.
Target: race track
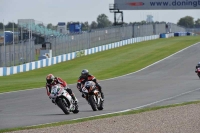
172,80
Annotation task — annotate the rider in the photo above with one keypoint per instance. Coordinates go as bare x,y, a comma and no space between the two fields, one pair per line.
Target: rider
85,76
51,80
197,66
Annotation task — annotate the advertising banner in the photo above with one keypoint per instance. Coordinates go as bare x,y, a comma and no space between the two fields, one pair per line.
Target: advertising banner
156,4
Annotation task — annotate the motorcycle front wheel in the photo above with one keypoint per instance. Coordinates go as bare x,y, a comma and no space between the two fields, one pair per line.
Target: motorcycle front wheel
62,106
92,103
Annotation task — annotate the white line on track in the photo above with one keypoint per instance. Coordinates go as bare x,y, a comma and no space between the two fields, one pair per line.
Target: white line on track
118,76
136,108
155,62
139,107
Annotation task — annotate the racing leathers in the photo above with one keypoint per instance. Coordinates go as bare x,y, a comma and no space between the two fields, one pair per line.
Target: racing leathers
58,80
197,66
81,81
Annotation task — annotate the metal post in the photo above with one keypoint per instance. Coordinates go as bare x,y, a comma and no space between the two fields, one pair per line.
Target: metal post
13,45
55,46
29,36
66,45
31,51
4,45
26,51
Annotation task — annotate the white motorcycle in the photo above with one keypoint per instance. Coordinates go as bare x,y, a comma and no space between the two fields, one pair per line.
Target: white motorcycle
63,100
93,95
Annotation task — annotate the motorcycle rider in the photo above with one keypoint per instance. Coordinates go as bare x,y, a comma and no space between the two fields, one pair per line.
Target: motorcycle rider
51,80
85,76
197,66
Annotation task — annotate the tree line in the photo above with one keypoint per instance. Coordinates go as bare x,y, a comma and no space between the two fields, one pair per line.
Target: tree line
103,21
189,22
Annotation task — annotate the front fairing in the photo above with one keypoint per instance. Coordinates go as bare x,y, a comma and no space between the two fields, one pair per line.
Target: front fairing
59,91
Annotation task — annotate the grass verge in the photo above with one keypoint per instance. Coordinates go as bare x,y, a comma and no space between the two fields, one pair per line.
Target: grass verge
103,65
99,117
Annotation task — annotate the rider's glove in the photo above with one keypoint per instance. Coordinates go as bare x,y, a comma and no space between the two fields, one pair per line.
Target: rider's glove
80,90
83,95
65,87
49,97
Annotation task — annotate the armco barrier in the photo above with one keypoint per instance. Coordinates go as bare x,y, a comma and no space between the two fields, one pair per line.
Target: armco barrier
164,35
180,34
4,71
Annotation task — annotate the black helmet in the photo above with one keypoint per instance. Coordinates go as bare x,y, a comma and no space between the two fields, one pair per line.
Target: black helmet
84,73
198,64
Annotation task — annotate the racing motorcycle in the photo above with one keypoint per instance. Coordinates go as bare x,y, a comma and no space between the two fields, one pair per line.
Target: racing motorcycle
92,95
198,72
63,99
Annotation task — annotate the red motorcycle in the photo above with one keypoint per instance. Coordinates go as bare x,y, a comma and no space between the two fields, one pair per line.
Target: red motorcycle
198,72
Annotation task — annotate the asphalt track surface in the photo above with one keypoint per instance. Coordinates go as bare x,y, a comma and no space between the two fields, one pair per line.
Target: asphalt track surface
169,81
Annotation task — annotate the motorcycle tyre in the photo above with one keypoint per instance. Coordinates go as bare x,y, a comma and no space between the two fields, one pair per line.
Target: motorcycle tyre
92,103
76,110
62,106
100,106
198,75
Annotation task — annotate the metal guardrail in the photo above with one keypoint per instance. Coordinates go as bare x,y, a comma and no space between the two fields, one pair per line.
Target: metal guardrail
26,51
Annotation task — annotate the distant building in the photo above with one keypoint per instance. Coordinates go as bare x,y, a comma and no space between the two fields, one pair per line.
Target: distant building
61,27
149,19
75,28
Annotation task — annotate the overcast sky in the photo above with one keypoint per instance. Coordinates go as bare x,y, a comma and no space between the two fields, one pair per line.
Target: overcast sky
54,11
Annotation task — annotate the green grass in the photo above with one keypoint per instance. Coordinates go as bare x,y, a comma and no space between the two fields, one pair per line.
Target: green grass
103,65
99,117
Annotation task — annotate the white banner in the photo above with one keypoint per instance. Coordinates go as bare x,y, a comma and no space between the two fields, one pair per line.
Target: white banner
157,4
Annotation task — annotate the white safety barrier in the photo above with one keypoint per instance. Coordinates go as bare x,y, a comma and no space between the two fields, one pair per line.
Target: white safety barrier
4,71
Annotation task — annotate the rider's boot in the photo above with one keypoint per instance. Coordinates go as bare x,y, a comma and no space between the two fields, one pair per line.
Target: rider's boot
100,89
74,98
52,101
86,98
102,96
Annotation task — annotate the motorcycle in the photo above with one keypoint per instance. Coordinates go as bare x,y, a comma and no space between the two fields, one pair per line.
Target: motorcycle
92,95
63,99
198,72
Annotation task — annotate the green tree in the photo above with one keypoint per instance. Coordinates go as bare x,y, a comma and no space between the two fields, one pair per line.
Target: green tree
10,25
143,22
15,25
68,23
49,26
103,21
197,23
83,26
187,21
93,25
1,25
86,24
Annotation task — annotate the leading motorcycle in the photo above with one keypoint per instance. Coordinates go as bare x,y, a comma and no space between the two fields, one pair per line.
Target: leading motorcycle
92,95
63,99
